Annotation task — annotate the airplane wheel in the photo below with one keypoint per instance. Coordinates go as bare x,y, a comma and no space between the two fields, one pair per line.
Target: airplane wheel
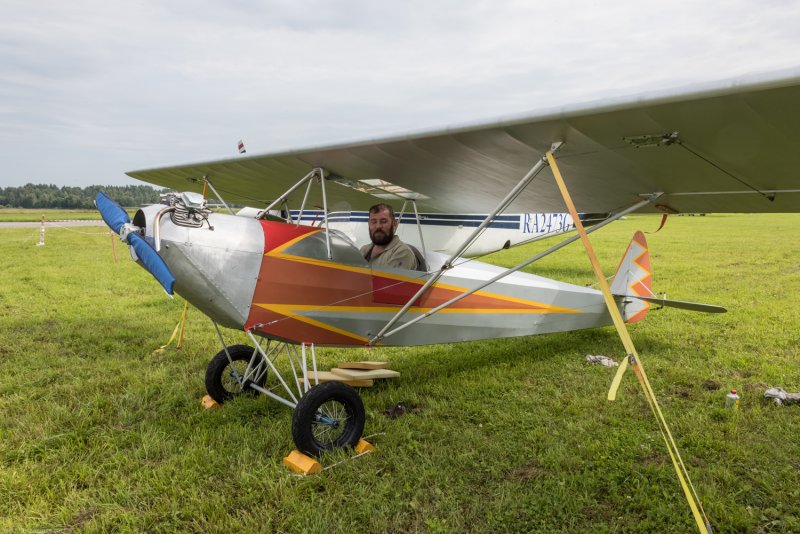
221,381
330,415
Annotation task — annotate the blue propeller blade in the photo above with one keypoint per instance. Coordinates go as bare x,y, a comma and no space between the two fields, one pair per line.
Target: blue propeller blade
152,261
113,215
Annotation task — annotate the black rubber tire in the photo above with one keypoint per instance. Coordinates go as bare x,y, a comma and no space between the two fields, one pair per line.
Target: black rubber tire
337,402
218,373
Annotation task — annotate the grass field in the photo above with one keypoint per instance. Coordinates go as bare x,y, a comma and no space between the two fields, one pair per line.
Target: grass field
34,215
100,433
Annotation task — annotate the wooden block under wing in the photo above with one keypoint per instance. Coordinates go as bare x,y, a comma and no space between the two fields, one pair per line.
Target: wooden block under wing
327,376
355,374
363,365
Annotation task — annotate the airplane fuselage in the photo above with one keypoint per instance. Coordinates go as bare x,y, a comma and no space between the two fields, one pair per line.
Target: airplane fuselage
276,280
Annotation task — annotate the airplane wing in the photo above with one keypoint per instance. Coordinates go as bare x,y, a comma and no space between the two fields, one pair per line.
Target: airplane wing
730,146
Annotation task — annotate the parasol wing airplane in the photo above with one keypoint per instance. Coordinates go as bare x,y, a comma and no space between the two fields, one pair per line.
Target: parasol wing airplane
724,147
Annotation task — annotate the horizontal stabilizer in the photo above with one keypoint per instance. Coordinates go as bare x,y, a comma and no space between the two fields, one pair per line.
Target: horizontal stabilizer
692,306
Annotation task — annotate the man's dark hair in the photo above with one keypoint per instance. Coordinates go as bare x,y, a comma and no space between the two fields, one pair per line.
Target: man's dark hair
380,207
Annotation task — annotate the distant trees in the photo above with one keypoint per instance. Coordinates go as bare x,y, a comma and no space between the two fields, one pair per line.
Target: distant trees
42,196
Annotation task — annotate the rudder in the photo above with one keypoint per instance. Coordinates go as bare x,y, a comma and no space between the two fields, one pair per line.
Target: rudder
633,277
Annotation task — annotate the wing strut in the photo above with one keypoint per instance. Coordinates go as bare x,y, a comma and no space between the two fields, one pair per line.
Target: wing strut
532,173
417,219
609,220
695,504
316,172
208,183
292,189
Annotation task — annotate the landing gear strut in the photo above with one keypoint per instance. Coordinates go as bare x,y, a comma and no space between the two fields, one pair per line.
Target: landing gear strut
326,416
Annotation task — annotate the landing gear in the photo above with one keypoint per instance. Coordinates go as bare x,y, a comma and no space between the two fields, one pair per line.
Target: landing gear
225,379
328,416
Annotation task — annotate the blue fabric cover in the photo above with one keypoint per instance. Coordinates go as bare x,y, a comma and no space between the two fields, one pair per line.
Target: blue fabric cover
113,215
152,262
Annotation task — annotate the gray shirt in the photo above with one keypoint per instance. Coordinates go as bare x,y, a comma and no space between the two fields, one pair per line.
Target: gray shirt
396,254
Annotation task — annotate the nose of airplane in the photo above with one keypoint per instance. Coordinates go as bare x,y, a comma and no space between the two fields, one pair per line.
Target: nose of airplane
215,258
212,260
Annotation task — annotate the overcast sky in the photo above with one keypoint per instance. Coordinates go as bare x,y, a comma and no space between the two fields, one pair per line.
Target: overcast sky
91,89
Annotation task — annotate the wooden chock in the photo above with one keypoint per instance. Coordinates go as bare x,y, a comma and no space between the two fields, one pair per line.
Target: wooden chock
302,464
364,446
209,403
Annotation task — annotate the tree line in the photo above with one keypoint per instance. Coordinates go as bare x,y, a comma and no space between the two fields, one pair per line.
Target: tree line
41,196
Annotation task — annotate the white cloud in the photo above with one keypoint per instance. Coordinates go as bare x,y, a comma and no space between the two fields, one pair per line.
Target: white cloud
90,89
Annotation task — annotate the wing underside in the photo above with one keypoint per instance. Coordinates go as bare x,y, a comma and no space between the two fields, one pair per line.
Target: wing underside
728,147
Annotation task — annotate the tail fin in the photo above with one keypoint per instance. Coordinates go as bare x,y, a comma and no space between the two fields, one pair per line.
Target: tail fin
633,278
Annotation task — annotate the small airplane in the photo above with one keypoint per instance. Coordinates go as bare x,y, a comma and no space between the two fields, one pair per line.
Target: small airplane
291,286
309,285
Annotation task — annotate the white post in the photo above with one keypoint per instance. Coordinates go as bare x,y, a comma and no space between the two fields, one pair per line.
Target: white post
41,234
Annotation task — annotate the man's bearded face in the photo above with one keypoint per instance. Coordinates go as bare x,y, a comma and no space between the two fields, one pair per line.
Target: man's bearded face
381,228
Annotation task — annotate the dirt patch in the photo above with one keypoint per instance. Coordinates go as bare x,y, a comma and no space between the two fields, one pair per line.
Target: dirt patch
79,522
653,457
756,386
401,408
529,472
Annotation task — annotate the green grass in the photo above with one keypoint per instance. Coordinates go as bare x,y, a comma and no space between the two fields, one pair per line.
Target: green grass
100,433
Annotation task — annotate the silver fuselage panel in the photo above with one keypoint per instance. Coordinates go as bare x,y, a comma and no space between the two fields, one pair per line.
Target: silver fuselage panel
215,270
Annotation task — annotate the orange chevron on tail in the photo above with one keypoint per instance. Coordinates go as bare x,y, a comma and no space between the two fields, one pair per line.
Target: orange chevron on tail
633,278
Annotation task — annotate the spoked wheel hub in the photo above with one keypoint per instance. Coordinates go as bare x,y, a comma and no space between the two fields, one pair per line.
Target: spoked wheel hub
329,416
225,377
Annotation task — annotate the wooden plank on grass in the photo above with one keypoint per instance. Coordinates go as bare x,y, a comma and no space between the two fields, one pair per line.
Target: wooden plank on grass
327,376
363,365
355,374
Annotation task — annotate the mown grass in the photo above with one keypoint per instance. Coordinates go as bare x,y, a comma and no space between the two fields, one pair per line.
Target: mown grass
98,432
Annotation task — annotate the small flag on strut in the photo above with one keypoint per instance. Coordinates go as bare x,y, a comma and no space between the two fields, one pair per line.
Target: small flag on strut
241,147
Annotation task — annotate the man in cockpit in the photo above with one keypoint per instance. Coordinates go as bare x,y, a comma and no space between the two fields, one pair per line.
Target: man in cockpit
386,249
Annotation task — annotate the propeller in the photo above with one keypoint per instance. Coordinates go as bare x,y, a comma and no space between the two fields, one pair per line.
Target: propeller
117,219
